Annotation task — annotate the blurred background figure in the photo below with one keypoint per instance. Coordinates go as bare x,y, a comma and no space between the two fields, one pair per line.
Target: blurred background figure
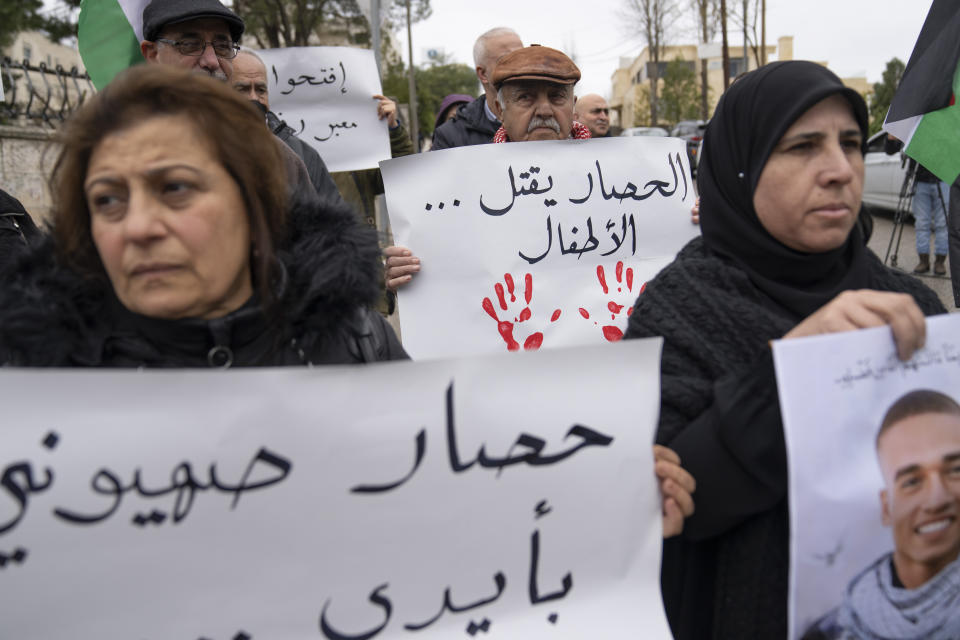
449,106
250,79
17,229
477,122
930,206
594,112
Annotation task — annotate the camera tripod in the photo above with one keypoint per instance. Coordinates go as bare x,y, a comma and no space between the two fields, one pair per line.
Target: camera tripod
904,209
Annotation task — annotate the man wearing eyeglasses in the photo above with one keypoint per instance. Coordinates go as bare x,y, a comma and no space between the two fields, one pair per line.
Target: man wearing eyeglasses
203,36
592,111
200,35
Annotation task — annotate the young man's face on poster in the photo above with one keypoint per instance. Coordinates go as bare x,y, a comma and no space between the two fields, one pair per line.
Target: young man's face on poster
920,461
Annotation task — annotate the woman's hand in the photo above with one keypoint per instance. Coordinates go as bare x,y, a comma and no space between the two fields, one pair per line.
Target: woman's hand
401,265
861,309
676,485
695,212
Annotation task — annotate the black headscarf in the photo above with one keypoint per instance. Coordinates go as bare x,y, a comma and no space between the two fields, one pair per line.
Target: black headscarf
747,125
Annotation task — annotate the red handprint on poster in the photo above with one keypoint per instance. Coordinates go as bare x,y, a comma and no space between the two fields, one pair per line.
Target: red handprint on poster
624,293
508,302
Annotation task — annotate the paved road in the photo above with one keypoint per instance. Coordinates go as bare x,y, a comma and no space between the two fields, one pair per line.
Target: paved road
907,256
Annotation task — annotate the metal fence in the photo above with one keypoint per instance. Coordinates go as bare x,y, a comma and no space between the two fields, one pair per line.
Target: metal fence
40,94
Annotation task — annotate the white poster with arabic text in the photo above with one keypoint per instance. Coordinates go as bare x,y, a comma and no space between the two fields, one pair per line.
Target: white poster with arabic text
534,244
499,497
326,95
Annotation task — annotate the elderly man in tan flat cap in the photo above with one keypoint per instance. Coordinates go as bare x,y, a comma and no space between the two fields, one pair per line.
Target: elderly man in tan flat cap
535,96
534,102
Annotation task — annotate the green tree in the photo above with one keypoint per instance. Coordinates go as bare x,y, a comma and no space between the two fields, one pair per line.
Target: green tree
641,106
61,24
708,19
300,23
28,15
883,93
397,10
681,96
296,23
655,21
434,82
17,16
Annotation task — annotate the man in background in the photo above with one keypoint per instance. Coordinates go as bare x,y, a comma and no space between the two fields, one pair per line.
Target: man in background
202,36
358,188
250,78
477,122
199,35
594,112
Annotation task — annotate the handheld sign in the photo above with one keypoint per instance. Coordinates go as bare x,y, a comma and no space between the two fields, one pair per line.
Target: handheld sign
534,244
501,498
325,94
874,467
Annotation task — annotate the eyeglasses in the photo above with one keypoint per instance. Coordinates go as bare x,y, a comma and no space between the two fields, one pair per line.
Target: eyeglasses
196,47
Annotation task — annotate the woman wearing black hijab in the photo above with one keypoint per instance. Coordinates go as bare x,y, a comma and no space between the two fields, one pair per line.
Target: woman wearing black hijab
780,257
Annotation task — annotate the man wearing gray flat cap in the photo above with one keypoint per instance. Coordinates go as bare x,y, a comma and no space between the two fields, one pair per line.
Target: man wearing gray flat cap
200,35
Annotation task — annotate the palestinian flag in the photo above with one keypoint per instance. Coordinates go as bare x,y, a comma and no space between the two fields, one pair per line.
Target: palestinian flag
108,36
924,113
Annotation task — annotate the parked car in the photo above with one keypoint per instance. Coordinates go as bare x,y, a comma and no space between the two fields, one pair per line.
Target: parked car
659,132
883,174
692,132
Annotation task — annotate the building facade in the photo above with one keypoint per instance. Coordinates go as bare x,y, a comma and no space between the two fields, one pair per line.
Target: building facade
629,103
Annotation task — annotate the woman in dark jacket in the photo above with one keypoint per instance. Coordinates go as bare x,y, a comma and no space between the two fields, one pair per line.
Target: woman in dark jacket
171,245
780,257
17,228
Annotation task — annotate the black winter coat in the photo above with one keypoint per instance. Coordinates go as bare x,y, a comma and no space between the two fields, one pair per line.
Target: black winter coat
726,576
17,228
330,273
470,126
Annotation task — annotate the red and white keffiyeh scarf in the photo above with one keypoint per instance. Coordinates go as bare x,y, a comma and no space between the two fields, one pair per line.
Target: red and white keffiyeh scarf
580,132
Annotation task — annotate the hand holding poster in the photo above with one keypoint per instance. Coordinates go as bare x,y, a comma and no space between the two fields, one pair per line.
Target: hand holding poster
874,450
326,95
531,244
506,499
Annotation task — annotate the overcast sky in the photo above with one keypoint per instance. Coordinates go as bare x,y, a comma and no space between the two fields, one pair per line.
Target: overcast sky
855,37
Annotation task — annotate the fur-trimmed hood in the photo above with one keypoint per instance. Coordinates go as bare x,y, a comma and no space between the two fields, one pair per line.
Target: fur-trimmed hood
52,316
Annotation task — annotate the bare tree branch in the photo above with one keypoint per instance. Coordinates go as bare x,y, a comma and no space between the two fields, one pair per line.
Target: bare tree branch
655,19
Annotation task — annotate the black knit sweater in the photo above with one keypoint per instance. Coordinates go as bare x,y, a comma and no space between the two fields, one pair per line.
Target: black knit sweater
726,577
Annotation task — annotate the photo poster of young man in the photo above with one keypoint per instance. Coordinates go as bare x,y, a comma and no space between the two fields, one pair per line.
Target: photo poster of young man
873,448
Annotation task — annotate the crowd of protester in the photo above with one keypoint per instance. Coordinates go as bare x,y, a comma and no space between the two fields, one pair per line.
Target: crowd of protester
174,241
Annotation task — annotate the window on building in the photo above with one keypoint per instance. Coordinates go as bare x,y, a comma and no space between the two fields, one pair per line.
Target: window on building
737,67
647,70
27,52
